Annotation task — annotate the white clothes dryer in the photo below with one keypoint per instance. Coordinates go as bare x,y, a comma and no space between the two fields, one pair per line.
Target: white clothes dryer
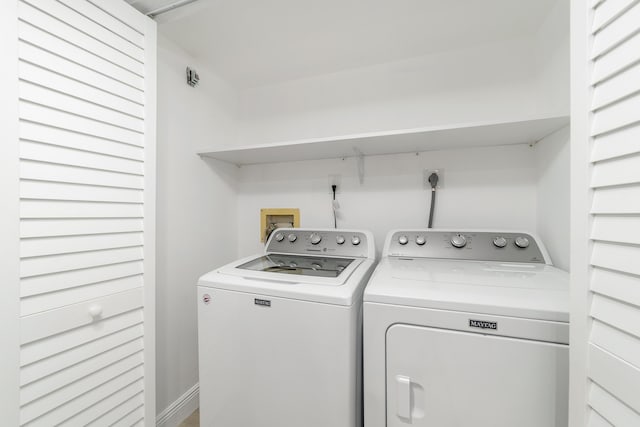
466,329
280,333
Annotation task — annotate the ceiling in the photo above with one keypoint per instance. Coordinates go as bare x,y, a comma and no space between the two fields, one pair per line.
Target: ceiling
258,42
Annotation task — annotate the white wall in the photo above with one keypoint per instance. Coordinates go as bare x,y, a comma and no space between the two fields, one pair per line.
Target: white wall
195,210
482,188
552,59
552,163
494,82
514,79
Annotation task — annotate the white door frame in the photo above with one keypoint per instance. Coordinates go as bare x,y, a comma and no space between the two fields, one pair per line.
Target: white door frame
580,206
9,216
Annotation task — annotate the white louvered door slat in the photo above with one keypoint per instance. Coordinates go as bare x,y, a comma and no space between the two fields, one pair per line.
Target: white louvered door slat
113,408
609,242
596,420
78,278
38,132
37,56
40,351
37,75
61,25
611,408
87,26
36,151
86,135
109,20
60,361
35,36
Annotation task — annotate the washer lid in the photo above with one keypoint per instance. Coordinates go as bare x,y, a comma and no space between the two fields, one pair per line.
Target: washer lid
534,291
298,265
345,289
294,269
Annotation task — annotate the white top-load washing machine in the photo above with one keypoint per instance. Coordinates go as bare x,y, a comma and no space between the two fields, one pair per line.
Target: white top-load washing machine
466,329
280,333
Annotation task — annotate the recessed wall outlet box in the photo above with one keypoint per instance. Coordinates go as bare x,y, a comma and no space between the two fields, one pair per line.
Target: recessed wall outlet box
427,173
274,218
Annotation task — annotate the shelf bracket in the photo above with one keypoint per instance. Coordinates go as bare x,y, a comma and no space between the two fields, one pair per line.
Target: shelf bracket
360,161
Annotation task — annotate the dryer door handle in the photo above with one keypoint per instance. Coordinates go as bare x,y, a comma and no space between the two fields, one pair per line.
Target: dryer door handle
403,397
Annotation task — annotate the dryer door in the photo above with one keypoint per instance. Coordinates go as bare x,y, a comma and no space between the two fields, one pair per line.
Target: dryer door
446,378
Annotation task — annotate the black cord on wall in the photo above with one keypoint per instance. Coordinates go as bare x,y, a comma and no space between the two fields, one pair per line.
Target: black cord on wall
333,206
433,180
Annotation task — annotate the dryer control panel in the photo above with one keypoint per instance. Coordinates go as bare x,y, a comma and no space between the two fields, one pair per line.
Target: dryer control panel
343,243
466,245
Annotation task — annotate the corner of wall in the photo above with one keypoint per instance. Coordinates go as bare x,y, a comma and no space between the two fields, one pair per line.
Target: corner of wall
196,202
178,411
552,52
553,204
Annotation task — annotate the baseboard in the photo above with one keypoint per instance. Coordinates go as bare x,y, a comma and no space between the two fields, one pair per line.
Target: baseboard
179,410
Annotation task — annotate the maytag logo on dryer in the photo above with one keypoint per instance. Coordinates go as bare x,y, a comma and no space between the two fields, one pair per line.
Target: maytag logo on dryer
262,302
482,324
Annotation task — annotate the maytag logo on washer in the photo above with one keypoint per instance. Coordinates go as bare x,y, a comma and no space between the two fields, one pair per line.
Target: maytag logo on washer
262,302
206,298
483,324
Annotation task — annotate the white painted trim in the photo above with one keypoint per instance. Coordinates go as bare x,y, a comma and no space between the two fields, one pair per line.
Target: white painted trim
9,217
169,8
180,410
581,16
150,79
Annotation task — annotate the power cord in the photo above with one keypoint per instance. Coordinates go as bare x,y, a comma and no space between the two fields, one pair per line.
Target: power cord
333,206
433,180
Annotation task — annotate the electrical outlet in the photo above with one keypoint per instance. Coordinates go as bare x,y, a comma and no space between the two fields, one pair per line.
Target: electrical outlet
334,180
427,173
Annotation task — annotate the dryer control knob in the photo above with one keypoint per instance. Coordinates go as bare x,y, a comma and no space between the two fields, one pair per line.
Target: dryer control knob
421,240
355,240
340,240
403,240
279,237
292,237
315,238
459,241
522,242
499,242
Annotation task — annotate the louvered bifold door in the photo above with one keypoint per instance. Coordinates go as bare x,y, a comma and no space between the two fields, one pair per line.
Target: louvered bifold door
86,73
612,362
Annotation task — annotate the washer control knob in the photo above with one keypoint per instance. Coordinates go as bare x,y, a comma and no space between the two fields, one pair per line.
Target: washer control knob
340,240
459,241
279,237
292,237
403,240
315,238
293,264
420,240
316,266
499,242
355,240
522,242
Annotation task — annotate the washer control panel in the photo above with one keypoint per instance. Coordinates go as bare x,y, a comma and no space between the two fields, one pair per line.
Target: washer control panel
320,242
465,245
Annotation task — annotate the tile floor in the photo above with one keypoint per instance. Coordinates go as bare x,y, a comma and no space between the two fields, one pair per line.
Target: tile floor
193,420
